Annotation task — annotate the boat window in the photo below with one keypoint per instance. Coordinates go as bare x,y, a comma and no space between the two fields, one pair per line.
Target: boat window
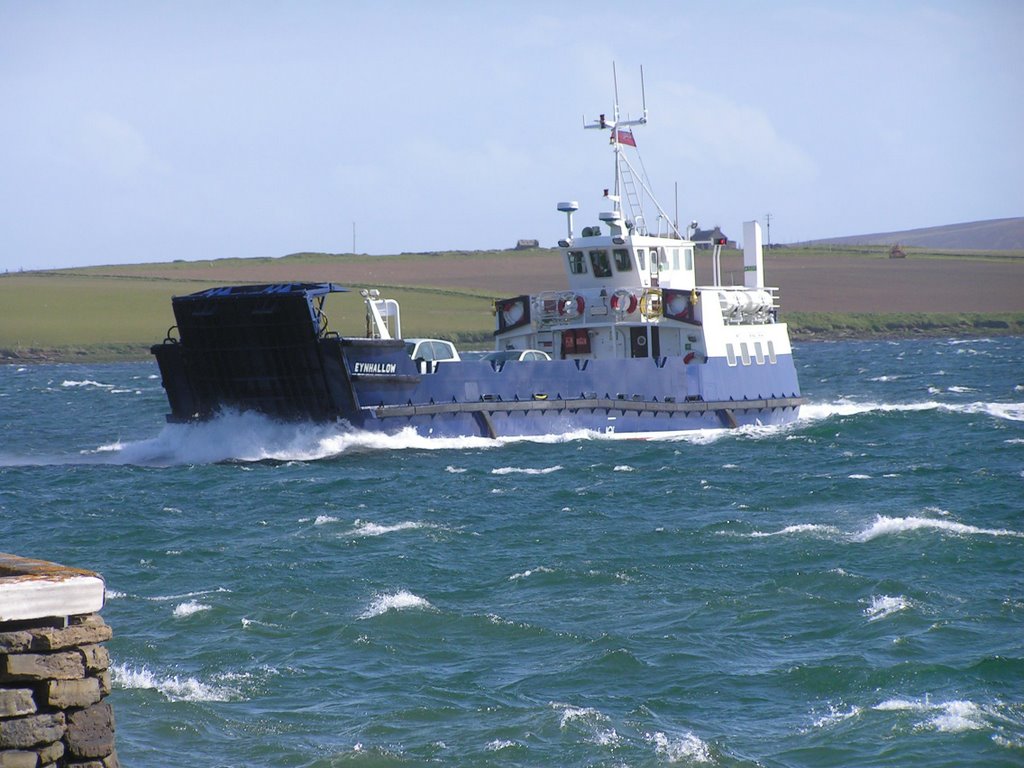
730,354
577,265
759,353
641,261
622,263
675,258
771,351
688,258
599,261
444,350
745,353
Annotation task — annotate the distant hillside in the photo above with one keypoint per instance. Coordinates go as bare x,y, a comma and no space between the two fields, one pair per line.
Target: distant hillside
990,235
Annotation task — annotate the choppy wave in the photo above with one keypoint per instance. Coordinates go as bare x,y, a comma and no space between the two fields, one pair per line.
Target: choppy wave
183,610
402,600
886,605
882,526
86,383
175,687
363,528
530,572
686,748
525,470
887,526
249,437
798,528
949,716
183,596
812,412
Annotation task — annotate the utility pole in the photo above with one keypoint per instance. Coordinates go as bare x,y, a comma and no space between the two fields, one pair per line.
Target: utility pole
768,222
353,238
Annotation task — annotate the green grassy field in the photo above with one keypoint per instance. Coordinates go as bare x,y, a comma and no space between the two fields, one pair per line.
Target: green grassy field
118,312
66,317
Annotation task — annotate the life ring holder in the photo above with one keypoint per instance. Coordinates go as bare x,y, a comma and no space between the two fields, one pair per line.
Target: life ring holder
650,303
571,305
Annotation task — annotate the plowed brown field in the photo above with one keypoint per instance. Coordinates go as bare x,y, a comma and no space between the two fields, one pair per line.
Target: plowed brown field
807,283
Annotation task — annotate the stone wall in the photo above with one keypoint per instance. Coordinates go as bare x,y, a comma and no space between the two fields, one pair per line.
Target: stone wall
54,677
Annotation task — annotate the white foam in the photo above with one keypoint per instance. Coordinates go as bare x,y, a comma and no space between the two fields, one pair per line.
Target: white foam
86,383
859,477
836,716
198,593
623,468
454,470
884,526
188,608
173,687
374,529
112,594
324,520
499,744
395,601
528,573
947,717
525,470
250,437
819,411
885,605
688,747
571,714
815,528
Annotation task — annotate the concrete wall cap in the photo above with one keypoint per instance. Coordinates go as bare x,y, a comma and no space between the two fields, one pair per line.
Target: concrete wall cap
34,589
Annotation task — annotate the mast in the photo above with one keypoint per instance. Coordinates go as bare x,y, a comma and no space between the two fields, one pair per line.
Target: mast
619,138
626,177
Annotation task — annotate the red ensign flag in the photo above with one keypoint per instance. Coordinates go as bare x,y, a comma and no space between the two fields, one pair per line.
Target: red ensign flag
626,137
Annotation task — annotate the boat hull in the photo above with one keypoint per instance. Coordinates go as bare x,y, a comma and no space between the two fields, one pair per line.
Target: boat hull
374,385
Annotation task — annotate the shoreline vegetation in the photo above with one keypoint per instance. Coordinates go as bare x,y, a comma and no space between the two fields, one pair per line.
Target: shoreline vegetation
115,313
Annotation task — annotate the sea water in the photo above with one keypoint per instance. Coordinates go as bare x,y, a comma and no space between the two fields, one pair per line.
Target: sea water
848,590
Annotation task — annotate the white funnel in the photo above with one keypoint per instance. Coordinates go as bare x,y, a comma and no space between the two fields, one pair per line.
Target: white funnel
753,260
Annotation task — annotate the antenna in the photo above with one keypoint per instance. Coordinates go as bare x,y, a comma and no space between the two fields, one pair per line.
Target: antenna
615,84
643,93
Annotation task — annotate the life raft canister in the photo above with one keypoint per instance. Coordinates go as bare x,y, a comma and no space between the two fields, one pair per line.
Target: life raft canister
571,305
624,302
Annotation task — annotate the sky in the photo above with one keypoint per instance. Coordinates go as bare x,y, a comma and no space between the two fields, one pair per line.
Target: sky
142,131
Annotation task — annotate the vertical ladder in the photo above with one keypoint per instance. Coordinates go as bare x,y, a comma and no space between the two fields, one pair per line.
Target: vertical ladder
636,212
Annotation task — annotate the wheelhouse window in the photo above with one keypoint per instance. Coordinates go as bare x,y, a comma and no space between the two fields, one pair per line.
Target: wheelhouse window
771,351
641,259
577,265
688,258
730,354
675,258
622,261
745,353
599,261
759,353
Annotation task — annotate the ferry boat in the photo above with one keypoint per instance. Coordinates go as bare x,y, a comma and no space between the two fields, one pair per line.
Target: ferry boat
634,347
